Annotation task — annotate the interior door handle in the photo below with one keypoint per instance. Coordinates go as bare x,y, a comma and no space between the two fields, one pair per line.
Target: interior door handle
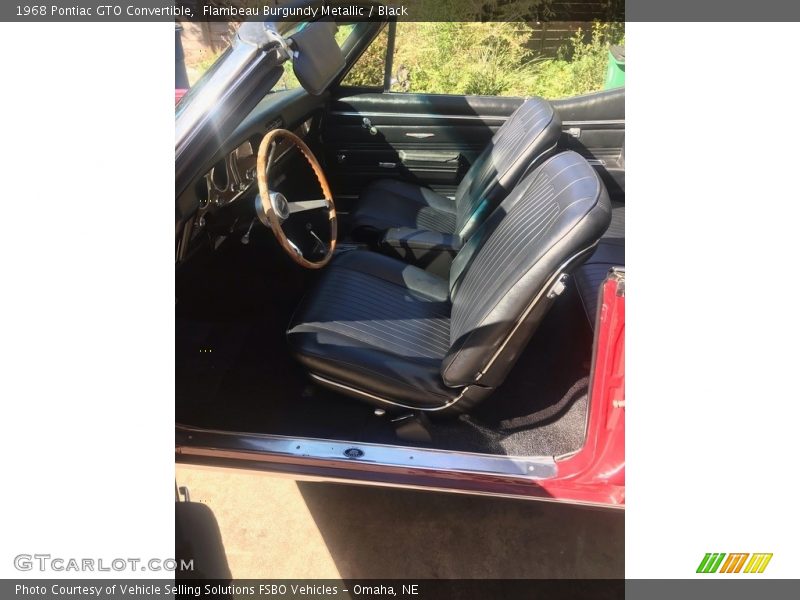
387,165
367,124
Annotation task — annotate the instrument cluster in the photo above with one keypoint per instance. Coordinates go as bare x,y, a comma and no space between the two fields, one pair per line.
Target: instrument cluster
230,177
235,174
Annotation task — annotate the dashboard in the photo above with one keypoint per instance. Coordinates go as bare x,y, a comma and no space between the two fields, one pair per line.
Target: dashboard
229,178
235,174
219,196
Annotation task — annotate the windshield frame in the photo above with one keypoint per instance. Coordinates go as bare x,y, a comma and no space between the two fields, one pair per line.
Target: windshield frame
254,42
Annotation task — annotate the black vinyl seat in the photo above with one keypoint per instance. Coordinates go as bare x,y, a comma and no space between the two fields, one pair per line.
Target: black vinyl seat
529,136
397,336
379,325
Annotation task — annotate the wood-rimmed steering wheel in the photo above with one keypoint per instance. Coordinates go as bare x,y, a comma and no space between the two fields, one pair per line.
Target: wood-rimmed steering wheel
274,210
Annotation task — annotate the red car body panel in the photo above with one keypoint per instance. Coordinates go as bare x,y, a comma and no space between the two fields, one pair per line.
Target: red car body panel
596,473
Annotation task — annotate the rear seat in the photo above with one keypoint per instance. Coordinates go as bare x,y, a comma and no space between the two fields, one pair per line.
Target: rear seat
610,253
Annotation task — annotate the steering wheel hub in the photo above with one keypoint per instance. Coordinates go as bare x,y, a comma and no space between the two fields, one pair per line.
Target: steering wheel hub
280,205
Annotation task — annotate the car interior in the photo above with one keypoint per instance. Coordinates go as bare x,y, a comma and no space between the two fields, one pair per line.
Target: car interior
365,265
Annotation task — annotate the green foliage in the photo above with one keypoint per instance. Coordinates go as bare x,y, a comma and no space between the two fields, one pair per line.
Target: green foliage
492,59
288,80
369,68
464,58
581,66
480,10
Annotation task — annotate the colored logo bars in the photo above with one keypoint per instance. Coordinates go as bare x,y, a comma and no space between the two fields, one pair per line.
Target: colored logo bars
734,563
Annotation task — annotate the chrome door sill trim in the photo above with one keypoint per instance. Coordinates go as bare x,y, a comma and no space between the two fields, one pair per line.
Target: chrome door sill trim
206,441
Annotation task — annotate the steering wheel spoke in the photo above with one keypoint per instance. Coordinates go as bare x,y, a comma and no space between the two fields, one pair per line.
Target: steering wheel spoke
307,205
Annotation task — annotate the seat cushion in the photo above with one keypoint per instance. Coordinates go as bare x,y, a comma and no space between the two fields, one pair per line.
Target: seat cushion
377,325
388,203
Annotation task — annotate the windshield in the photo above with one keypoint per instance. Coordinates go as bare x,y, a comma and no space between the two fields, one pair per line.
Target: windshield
203,58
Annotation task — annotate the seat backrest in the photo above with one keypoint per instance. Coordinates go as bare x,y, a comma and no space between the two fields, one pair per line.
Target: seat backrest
529,135
504,279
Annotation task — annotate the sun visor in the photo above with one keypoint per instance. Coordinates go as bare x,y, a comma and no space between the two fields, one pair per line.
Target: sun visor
316,57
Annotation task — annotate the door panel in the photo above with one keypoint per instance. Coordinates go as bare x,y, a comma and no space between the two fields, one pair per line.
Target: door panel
594,126
429,139
433,139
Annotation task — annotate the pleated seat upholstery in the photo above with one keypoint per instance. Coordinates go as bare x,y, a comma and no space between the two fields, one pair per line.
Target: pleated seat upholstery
379,324
397,336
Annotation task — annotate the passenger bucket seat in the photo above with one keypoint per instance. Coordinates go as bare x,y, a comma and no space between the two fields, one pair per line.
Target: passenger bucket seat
529,136
397,336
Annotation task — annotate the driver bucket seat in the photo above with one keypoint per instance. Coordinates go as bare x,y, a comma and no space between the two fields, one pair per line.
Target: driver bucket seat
399,337
529,136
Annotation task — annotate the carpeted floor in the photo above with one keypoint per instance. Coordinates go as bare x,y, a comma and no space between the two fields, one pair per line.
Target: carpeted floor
234,370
